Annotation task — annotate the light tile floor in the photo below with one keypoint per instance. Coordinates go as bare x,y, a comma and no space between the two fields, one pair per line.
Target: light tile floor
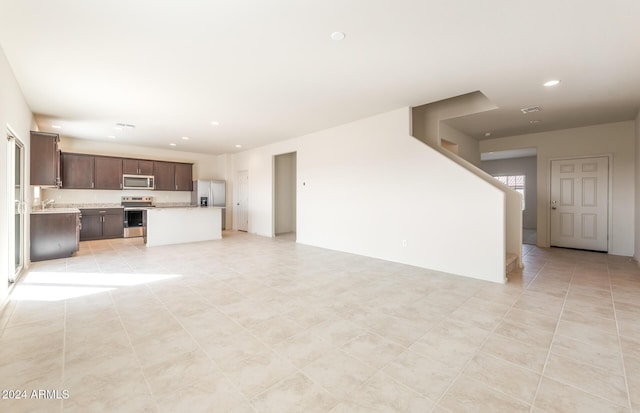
250,324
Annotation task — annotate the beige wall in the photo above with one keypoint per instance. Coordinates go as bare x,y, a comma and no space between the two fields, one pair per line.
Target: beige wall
428,128
468,148
616,139
285,193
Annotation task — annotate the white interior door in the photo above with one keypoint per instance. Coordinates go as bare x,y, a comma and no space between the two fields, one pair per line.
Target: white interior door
579,203
242,204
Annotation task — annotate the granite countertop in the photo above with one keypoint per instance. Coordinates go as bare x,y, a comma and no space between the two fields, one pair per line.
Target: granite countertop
89,205
56,211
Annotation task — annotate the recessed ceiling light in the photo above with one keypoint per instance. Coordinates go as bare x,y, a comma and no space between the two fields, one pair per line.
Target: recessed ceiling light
337,36
117,128
535,121
487,134
550,83
56,126
111,136
172,144
185,138
238,146
215,123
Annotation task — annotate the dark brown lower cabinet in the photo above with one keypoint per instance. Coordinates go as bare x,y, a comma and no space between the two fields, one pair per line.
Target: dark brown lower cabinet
102,223
53,235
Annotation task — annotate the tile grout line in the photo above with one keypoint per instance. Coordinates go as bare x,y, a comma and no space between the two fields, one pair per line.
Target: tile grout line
553,338
615,316
299,369
64,350
115,305
463,368
200,346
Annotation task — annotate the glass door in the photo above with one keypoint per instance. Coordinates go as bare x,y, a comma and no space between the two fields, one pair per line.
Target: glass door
17,187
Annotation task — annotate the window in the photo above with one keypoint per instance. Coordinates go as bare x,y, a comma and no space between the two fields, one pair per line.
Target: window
515,182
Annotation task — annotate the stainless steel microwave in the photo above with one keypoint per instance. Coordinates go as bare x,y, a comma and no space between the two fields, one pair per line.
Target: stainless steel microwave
138,182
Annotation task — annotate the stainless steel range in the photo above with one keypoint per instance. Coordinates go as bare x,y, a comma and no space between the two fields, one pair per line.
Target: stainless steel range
135,215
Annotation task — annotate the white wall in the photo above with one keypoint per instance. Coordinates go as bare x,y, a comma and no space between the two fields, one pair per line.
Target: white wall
15,113
612,138
204,167
519,166
637,187
367,186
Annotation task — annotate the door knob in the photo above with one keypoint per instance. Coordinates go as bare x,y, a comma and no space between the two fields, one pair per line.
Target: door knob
553,205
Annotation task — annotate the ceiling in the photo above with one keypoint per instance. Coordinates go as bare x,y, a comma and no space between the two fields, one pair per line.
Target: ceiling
269,70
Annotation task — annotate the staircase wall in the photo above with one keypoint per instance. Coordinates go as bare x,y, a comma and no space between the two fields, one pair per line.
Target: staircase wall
370,188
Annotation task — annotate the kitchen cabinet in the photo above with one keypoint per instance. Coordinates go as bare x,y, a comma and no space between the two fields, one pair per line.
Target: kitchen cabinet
77,171
184,181
102,223
45,159
137,167
165,175
53,235
108,172
81,171
173,176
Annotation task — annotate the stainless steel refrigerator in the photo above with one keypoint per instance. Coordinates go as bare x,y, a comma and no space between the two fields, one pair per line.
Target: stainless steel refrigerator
209,193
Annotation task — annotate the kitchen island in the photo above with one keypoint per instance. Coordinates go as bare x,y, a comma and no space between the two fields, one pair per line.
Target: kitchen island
180,225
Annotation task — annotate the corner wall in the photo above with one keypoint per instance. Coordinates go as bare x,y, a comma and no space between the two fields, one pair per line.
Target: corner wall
611,138
370,188
15,113
427,123
636,254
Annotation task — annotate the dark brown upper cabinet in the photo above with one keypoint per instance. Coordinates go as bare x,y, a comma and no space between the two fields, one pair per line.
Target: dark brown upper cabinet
173,176
184,180
78,171
45,159
108,172
165,175
137,167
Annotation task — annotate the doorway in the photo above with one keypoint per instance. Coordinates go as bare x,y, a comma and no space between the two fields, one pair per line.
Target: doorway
579,203
284,196
242,203
518,169
16,196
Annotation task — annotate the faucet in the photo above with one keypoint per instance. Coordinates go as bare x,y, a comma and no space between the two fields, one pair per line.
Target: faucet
46,203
